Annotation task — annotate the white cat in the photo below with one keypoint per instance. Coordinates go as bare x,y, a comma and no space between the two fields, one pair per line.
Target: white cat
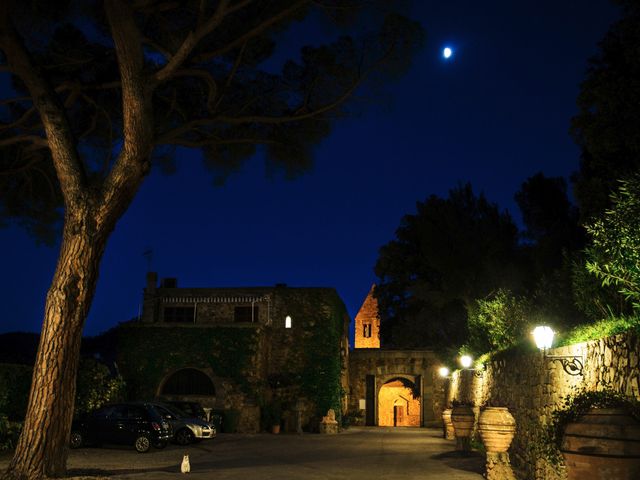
185,467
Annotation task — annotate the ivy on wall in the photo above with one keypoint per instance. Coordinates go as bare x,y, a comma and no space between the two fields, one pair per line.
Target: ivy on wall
147,353
319,370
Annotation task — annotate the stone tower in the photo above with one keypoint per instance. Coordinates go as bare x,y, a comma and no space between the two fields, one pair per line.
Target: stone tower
367,324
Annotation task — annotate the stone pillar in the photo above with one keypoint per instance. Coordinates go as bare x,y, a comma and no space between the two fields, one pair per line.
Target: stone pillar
499,467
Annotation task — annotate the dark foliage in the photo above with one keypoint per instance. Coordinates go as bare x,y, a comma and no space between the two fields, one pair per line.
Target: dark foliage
607,127
451,252
222,100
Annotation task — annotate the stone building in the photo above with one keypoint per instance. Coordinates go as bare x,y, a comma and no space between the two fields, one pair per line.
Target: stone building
367,323
240,350
391,387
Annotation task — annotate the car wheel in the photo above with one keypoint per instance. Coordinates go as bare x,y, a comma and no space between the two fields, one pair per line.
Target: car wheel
160,444
76,440
184,436
142,444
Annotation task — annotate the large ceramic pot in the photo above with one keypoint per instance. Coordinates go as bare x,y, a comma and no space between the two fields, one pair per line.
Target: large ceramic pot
463,420
604,443
497,428
447,426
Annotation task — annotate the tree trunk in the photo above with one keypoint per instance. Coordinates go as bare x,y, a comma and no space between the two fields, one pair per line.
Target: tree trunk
42,449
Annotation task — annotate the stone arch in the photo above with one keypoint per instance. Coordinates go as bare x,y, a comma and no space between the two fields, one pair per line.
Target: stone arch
399,401
191,384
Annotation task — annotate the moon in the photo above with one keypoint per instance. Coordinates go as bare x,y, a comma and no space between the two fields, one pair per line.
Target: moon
447,52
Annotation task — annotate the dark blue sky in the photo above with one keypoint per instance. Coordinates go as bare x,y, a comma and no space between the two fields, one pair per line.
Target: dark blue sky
494,114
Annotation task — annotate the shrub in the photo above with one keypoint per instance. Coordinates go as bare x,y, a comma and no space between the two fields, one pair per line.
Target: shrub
497,322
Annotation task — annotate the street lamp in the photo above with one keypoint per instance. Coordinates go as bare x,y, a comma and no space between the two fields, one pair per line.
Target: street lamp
443,372
466,361
571,364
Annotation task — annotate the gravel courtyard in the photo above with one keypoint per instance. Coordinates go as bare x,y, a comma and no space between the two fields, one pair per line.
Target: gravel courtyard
358,453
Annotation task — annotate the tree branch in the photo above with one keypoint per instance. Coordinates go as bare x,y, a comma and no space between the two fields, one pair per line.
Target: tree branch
190,42
133,161
203,57
68,166
34,139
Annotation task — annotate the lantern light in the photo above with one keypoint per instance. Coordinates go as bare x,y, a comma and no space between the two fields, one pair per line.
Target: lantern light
466,361
443,372
543,337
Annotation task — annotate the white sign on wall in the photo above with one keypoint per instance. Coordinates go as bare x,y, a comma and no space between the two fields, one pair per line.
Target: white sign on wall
363,404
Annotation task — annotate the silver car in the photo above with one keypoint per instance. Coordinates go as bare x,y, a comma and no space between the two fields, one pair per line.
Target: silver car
186,429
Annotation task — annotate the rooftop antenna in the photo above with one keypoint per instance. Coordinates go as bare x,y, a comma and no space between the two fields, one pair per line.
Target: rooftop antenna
148,254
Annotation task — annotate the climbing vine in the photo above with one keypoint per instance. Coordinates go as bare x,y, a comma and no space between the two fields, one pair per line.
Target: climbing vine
320,368
146,353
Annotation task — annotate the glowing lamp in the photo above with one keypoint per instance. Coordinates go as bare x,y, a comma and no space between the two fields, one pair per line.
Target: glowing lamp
543,337
466,361
287,321
443,372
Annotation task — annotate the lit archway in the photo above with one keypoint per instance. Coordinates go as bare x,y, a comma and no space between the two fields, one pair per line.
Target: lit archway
399,404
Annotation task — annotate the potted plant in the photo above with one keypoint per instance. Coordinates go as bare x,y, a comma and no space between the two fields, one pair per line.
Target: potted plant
598,435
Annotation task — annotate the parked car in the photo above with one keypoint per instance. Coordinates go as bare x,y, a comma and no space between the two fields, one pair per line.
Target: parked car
137,424
194,409
186,428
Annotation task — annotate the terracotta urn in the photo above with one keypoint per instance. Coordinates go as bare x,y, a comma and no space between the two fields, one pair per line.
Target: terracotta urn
447,425
604,443
497,428
463,420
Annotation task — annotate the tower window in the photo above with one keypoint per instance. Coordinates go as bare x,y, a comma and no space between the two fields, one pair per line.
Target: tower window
366,330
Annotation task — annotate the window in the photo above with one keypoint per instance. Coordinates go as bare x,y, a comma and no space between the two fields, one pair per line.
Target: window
245,314
287,322
179,314
366,330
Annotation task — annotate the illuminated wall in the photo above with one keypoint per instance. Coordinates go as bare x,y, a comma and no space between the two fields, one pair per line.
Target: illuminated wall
533,387
367,323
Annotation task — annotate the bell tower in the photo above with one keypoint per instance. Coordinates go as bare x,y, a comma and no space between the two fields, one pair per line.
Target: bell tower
367,324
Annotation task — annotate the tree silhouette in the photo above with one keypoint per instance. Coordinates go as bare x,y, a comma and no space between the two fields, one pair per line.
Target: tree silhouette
106,90
607,126
450,253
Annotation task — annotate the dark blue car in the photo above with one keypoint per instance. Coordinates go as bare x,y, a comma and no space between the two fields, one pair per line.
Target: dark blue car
136,424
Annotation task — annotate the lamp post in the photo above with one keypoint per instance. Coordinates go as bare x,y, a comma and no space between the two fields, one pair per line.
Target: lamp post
571,364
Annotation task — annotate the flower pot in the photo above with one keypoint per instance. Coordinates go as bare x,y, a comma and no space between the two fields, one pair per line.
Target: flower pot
275,429
604,443
497,428
447,426
463,419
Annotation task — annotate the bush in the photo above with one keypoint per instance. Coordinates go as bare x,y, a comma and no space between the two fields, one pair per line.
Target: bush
96,386
497,322
9,433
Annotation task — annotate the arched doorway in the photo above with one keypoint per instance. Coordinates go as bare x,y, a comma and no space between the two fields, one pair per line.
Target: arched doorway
188,381
399,404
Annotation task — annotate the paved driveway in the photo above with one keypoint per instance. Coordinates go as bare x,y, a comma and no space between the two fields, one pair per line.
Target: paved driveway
358,453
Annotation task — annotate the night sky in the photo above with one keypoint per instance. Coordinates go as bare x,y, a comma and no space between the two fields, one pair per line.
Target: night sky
493,114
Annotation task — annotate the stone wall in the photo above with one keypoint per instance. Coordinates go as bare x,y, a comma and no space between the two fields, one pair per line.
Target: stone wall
382,366
298,355
367,323
532,387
